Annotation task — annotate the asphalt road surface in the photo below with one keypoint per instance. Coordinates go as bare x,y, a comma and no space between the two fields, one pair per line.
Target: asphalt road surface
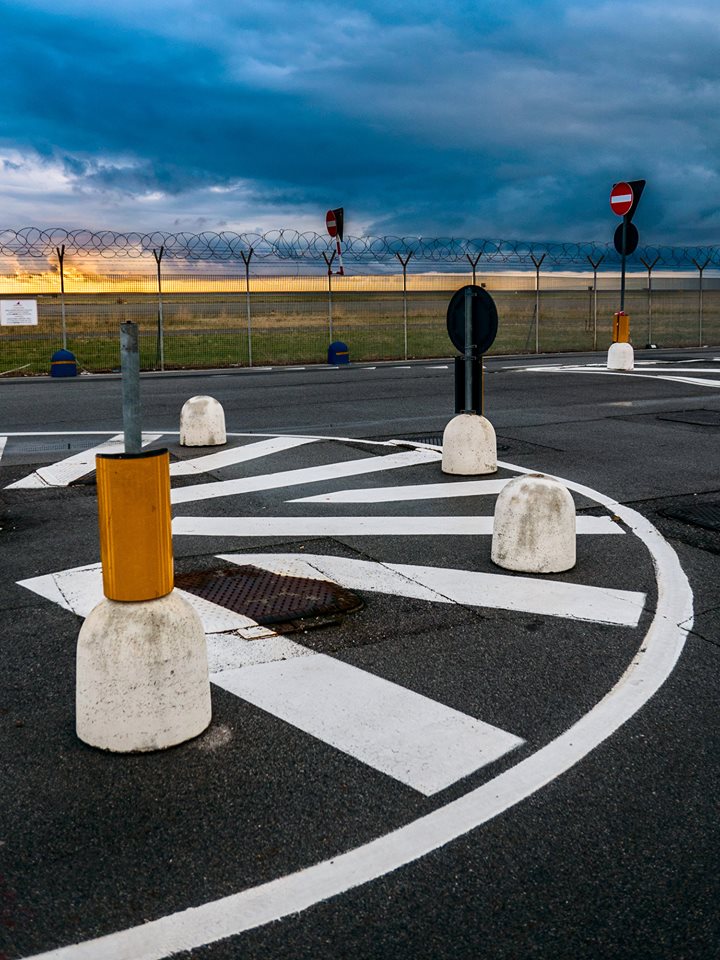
475,763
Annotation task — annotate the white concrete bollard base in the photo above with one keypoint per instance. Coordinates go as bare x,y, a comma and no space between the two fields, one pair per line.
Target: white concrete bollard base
620,357
469,446
534,526
202,423
142,675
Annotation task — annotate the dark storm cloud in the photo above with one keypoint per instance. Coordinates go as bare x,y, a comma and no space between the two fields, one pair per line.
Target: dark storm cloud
469,118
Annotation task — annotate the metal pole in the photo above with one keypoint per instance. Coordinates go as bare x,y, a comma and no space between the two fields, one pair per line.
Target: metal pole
622,271
538,264
469,352
405,315
130,370
246,261
649,267
161,333
61,257
700,299
328,261
473,264
595,270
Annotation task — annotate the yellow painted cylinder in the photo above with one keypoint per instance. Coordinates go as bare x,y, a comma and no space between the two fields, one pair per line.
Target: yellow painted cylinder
621,327
135,524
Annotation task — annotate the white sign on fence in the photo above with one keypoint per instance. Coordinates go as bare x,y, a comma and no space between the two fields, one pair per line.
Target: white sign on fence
18,313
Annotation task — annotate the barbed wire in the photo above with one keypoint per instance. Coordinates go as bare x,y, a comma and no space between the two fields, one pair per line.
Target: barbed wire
284,245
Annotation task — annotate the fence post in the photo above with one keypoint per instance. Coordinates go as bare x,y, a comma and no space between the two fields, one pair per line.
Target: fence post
649,268
700,299
595,266
328,261
60,251
246,261
405,325
473,264
538,264
160,350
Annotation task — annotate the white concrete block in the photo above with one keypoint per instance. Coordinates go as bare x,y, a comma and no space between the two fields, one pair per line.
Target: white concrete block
469,446
620,357
142,675
202,423
534,526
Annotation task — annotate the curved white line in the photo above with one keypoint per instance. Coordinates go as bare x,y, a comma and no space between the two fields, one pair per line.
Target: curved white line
229,916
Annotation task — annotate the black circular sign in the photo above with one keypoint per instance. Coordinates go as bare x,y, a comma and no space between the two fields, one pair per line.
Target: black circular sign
484,319
632,238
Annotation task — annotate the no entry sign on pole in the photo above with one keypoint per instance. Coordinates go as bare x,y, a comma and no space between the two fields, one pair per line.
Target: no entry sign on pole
621,198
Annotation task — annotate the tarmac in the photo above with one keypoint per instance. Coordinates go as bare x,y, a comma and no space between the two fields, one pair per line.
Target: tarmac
473,762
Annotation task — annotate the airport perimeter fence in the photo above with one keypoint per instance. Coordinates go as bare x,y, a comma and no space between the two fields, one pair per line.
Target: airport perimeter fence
195,309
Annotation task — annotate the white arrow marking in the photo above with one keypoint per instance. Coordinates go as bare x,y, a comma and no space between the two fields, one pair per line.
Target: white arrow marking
360,526
288,478
72,468
225,458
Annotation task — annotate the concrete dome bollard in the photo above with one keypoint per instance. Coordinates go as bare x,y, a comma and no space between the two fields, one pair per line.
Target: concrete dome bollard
620,357
469,446
142,675
202,423
534,526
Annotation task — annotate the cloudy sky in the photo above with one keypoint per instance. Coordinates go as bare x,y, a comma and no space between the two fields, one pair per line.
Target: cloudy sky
466,118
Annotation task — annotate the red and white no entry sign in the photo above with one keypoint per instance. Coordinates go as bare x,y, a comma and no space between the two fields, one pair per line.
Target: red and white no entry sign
331,223
621,198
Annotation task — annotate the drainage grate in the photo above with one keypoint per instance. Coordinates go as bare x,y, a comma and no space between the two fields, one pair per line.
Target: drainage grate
705,515
270,598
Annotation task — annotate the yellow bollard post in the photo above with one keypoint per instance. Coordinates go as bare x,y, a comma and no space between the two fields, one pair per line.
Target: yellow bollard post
621,327
135,525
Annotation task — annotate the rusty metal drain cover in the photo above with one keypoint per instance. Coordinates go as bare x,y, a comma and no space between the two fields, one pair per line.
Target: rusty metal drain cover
705,515
270,598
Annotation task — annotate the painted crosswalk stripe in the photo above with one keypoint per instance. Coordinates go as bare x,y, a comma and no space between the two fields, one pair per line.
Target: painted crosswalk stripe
226,458
415,491
64,472
416,740
287,478
536,595
360,526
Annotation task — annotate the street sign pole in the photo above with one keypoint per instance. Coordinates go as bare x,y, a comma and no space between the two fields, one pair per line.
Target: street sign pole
622,268
469,351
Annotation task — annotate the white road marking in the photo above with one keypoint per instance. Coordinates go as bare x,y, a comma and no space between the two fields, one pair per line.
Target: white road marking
360,526
442,366
229,916
225,458
3,441
698,381
288,478
407,736
536,595
64,472
417,491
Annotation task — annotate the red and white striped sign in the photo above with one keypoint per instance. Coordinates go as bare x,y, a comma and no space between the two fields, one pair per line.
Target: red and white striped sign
621,198
331,224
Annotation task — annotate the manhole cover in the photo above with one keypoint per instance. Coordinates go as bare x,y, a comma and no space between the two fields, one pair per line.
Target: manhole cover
705,515
271,598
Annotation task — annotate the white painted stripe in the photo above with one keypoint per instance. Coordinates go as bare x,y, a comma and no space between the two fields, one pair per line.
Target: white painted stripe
229,916
3,441
65,471
225,458
360,526
288,478
417,491
543,596
368,368
228,651
699,381
621,198
407,736
442,366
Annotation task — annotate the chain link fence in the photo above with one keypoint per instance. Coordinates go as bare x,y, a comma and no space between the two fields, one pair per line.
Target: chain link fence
195,309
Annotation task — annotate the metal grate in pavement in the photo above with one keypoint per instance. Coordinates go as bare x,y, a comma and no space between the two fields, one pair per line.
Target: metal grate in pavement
706,515
270,598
